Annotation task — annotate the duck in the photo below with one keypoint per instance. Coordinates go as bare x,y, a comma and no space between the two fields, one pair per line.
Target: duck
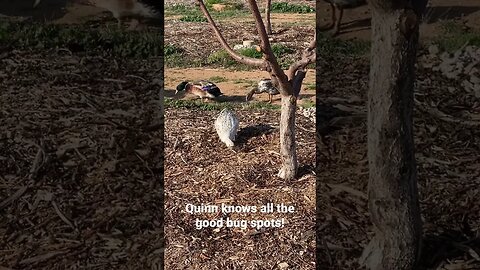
340,5
202,89
264,86
138,9
226,126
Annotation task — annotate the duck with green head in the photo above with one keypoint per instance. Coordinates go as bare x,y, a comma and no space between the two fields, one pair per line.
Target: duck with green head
202,89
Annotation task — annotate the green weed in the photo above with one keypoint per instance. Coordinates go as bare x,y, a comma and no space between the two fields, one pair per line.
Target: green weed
218,79
284,7
82,39
455,36
217,106
328,47
223,59
307,103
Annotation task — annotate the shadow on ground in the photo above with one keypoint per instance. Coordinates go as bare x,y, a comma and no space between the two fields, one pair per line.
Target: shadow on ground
47,10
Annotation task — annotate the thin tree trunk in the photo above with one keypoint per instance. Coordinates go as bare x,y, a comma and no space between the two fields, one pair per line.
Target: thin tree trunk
288,146
392,190
288,84
267,17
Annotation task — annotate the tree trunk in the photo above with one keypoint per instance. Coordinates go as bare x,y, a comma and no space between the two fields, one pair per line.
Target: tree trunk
268,24
392,190
288,146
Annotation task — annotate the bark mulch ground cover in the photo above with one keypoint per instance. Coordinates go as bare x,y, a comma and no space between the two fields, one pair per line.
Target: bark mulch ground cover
80,161
448,164
200,169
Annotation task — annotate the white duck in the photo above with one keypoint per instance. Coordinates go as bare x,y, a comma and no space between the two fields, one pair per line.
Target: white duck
227,126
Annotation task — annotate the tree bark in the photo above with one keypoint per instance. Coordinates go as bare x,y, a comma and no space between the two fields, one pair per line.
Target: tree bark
268,23
288,146
392,190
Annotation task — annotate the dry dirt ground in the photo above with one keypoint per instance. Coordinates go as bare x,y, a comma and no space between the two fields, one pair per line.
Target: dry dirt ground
235,86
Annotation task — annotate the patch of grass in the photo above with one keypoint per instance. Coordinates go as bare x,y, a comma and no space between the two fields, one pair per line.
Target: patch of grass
250,52
193,18
179,61
249,83
260,106
455,36
81,39
281,49
178,9
196,104
218,79
217,106
223,59
310,87
329,47
307,103
169,50
193,13
285,7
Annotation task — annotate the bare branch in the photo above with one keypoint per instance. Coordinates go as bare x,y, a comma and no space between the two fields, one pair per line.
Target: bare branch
308,57
268,5
240,58
274,69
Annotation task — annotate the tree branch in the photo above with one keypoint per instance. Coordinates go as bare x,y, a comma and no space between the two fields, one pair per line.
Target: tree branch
240,58
276,72
308,57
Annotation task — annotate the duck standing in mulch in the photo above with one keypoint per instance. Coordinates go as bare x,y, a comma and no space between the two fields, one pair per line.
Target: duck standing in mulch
202,89
136,9
226,126
340,5
264,86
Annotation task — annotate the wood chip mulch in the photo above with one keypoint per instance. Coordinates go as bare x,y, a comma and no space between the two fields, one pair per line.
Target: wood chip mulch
80,162
200,169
